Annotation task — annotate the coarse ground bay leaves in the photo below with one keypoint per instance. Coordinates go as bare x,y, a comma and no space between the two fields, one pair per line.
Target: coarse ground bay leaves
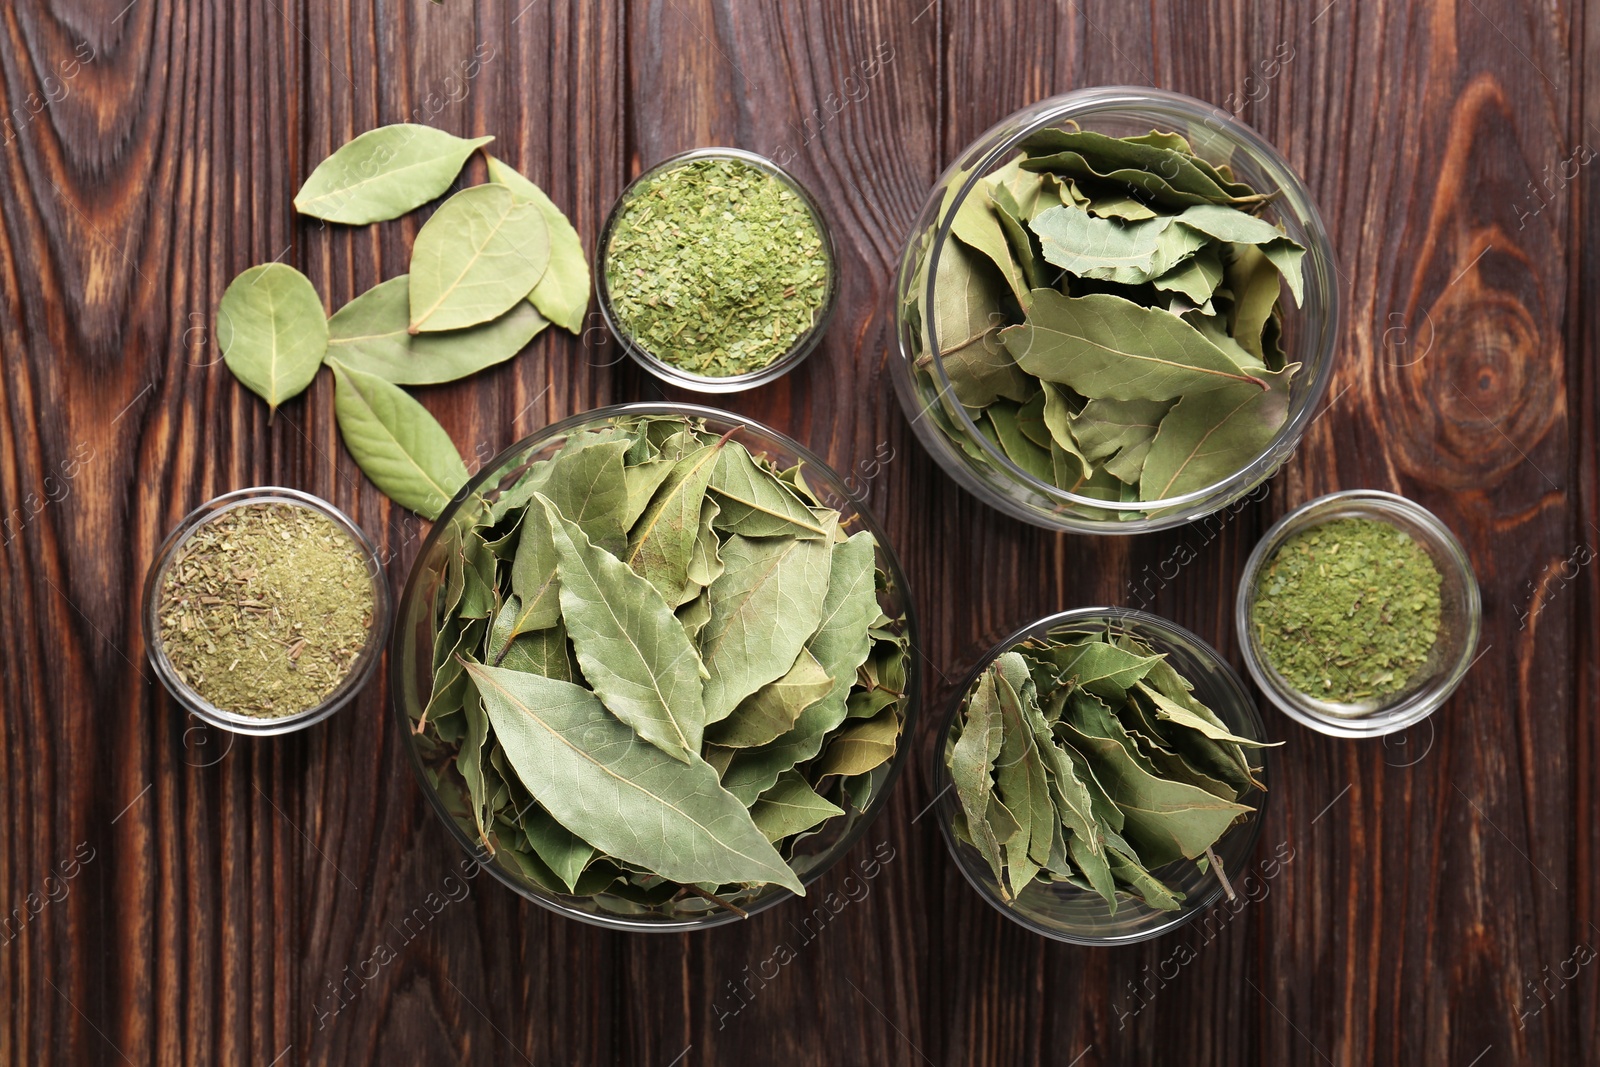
1103,346
764,608
790,807
1208,436
273,331
755,502
479,254
384,173
629,645
562,295
397,444
370,334
771,711
625,797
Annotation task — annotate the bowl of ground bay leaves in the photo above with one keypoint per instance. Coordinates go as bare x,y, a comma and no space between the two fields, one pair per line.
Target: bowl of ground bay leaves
1117,312
1101,778
1358,613
653,667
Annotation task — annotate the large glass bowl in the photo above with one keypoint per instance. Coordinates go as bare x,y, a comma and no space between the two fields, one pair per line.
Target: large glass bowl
1062,911
412,676
1309,331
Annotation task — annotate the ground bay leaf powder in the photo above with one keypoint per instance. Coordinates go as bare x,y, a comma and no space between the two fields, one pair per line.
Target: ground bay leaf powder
266,608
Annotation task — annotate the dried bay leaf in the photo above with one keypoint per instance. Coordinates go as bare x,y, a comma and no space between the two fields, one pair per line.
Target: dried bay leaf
384,173
971,765
754,502
371,334
629,645
978,224
479,254
772,710
862,745
397,444
790,807
1206,437
662,542
624,796
273,331
562,294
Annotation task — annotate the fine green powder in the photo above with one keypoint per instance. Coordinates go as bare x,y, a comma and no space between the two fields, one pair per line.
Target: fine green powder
1349,610
716,267
266,608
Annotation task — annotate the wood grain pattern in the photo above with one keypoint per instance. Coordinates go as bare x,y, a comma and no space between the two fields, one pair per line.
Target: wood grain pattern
169,895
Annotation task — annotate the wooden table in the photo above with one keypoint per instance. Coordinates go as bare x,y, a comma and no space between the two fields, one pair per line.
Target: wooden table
187,899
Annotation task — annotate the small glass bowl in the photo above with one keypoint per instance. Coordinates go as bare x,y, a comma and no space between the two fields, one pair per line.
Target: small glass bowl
1064,912
411,675
360,674
943,425
1461,617
733,383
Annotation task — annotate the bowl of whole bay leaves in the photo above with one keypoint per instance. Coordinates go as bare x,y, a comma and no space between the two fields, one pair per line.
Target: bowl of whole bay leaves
1117,312
1101,778
653,667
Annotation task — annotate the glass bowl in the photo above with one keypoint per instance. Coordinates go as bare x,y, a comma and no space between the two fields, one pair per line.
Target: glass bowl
1064,912
949,433
434,763
1460,618
359,674
703,383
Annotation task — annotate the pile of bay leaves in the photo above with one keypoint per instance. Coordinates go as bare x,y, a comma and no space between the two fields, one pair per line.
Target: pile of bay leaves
1086,759
1108,314
490,269
660,664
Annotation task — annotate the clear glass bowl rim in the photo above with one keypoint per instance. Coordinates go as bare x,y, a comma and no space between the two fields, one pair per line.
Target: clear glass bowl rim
1413,706
155,651
1224,677
734,383
1081,103
533,442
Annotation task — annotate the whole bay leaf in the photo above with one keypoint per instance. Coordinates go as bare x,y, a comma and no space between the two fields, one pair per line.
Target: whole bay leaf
273,331
841,642
790,807
1256,284
1106,427
562,294
1076,241
534,579
628,643
971,765
479,254
978,224
861,745
662,542
765,606
1003,415
755,502
1240,228
966,317
1208,436
541,652
624,796
1104,346
384,173
397,444
371,334
564,852
771,711
1092,664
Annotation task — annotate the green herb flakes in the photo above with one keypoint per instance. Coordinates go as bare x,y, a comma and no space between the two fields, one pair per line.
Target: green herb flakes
716,267
1348,611
265,609
1085,758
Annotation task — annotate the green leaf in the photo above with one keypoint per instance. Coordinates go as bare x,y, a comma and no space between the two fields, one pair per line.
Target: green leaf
1103,669
771,711
397,444
1105,428
273,331
629,645
1238,228
562,295
587,484
1165,174
1017,446
967,317
384,173
1078,242
1103,346
841,643
1208,436
861,745
478,255
370,334
534,580
755,503
978,224
662,542
764,608
564,852
790,807
1196,278
1256,285
971,764
544,652
1173,712
627,798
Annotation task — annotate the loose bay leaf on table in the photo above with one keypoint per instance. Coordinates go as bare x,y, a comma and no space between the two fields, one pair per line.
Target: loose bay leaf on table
479,254
764,608
384,173
1107,347
662,542
771,711
562,294
1208,436
790,807
273,331
394,440
628,643
754,502
624,796
370,334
